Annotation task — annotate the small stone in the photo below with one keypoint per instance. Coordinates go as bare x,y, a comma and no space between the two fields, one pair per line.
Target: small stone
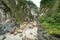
4,37
36,39
26,38
31,33
22,26
15,33
21,35
29,39
23,38
31,26
12,31
33,23
34,35
19,30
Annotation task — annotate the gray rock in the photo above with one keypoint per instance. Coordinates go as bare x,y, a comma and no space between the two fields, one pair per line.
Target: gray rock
6,21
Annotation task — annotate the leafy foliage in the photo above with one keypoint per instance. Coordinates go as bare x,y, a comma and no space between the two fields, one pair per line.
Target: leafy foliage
51,19
47,3
52,22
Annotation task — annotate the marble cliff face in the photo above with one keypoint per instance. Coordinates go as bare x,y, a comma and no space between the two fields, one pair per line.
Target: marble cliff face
6,19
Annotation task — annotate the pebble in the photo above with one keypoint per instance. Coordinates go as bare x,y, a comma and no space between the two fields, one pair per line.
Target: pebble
21,35
12,31
30,26
15,33
19,30
22,26
26,38
31,33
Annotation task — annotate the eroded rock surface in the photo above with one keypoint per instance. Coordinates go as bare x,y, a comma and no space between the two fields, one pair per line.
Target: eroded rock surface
6,20
23,34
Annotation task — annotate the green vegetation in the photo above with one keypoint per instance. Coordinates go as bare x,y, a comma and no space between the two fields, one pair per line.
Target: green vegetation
51,18
51,22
